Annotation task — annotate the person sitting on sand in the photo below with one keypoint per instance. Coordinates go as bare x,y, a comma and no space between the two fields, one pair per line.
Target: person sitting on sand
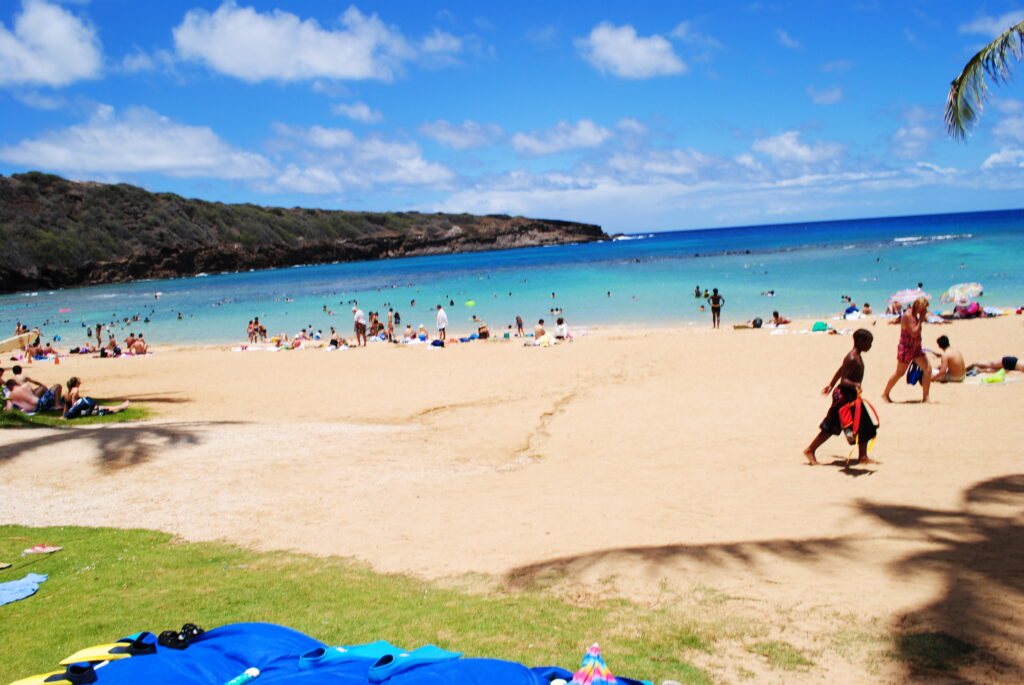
482,331
1006,363
779,320
951,363
408,333
422,333
79,406
129,341
139,346
538,330
866,310
22,397
561,329
18,376
846,383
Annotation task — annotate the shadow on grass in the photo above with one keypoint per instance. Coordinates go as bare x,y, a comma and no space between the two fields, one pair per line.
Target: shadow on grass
972,630
119,445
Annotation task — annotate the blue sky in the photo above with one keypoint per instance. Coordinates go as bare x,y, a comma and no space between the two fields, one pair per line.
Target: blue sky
638,116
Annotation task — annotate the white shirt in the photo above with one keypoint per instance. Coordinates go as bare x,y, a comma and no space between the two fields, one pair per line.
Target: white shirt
360,317
442,319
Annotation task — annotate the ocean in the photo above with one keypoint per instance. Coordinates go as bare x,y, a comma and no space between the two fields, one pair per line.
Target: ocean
638,280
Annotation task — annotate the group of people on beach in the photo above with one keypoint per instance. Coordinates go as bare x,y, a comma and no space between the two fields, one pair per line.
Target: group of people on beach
28,395
852,415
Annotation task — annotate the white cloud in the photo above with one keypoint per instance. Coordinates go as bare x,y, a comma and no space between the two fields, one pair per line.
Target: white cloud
561,137
1007,156
631,125
787,147
48,46
688,34
357,111
828,96
992,26
336,158
138,61
311,180
787,41
913,139
441,42
620,51
464,136
660,163
140,140
253,46
1010,128
38,100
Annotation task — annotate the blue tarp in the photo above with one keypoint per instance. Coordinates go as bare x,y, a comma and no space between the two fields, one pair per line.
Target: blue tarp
288,657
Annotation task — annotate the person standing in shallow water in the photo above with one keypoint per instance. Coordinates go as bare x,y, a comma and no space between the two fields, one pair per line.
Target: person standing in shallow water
716,301
846,383
910,350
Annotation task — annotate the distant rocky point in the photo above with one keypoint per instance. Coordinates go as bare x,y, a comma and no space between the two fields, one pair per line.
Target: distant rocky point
58,233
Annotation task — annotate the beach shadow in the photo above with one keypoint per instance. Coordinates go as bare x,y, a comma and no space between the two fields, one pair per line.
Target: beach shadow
119,445
971,632
848,468
152,398
973,628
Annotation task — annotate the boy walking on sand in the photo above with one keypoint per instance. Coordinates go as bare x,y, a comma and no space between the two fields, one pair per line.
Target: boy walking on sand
849,377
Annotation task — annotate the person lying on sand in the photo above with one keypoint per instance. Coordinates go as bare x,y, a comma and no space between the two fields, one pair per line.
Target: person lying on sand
849,377
22,397
779,320
1007,363
951,363
78,406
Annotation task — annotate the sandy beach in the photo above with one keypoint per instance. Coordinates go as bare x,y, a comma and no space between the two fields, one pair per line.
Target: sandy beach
628,463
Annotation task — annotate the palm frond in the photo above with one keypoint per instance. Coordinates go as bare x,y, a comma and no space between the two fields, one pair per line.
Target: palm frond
967,92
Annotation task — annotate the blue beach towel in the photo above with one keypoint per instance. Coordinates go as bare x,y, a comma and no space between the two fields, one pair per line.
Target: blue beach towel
14,590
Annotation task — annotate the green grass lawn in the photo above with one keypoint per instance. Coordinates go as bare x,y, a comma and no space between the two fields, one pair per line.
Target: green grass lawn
17,419
107,583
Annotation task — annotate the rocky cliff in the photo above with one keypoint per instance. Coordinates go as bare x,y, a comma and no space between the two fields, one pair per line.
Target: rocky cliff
58,233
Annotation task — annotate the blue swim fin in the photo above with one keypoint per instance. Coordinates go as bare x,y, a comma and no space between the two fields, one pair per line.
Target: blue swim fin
371,651
391,665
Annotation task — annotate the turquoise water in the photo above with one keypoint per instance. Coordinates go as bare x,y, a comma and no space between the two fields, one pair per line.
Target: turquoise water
651,278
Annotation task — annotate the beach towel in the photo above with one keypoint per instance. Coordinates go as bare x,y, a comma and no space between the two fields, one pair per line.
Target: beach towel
14,590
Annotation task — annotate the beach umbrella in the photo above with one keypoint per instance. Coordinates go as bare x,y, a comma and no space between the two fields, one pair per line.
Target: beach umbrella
593,670
908,295
962,291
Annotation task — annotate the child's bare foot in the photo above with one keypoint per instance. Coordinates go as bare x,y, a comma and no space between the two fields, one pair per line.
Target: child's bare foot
810,458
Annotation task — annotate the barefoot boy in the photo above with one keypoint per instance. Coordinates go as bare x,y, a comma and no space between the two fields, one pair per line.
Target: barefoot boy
849,375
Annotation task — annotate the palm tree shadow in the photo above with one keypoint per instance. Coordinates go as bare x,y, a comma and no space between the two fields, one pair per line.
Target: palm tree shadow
973,627
119,445
971,632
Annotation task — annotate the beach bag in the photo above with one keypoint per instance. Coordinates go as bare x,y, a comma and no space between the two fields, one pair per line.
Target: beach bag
819,326
852,413
914,374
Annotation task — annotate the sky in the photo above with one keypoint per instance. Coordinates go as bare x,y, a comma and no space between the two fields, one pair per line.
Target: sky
637,116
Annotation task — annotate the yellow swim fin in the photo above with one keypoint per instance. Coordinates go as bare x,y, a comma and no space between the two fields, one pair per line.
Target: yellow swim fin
133,645
78,674
109,652
41,678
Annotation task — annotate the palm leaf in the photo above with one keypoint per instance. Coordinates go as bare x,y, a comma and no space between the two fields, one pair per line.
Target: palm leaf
967,92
